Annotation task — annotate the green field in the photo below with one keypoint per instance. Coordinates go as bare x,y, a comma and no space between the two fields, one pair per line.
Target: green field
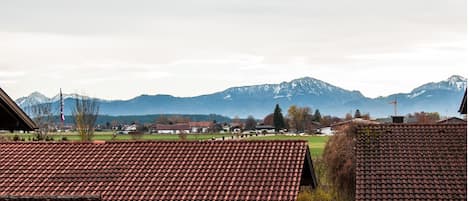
316,143
109,135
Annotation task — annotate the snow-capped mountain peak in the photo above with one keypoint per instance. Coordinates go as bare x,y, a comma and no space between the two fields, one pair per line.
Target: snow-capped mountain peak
305,86
33,99
454,83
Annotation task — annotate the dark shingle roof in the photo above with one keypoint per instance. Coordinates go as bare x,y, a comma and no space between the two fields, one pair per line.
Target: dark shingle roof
411,162
156,170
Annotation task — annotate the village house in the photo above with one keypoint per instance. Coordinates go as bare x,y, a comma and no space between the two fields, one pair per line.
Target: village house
156,170
177,128
326,130
411,162
201,126
264,129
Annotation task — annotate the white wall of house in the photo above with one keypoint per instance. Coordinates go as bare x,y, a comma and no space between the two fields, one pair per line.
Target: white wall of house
197,129
326,131
172,131
265,131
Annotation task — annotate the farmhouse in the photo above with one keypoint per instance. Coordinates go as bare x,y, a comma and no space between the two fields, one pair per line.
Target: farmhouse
156,170
173,128
411,162
13,117
201,127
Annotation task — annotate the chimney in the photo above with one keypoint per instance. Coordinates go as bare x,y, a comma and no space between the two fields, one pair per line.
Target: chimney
397,119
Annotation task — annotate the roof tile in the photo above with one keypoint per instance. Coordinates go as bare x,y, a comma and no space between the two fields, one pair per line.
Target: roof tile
217,170
411,162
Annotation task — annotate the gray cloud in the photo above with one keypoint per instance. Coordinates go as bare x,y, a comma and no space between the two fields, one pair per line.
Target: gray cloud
230,42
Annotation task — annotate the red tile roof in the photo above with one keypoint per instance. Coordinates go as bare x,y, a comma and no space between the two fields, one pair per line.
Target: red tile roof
202,124
50,198
180,126
157,170
411,162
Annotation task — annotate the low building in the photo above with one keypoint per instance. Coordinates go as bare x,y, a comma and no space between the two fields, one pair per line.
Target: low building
411,162
325,130
201,126
265,129
172,128
156,170
12,117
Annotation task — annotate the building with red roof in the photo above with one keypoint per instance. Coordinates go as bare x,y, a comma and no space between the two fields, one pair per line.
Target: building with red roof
411,162
156,170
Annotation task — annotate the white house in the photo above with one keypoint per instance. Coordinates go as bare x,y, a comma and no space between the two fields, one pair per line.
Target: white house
173,128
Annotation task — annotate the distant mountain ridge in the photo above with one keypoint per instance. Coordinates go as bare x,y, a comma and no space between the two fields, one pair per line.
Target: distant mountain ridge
259,100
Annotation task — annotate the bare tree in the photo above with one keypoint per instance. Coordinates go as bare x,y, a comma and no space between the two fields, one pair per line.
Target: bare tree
85,114
44,119
251,123
300,118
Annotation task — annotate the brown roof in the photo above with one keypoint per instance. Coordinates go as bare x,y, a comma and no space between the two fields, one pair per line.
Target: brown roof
411,162
179,126
13,117
202,124
157,170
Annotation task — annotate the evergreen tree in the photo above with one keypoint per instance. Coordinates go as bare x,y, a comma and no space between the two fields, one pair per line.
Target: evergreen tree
357,114
279,123
317,116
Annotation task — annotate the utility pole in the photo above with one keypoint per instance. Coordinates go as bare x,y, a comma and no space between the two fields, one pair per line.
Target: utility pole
395,105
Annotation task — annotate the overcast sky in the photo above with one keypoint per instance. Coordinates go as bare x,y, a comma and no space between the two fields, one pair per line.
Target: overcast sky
120,49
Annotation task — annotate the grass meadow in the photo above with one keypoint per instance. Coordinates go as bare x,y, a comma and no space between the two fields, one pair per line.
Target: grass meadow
316,143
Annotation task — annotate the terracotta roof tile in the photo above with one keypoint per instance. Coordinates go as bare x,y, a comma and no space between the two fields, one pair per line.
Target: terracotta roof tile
154,170
411,162
179,126
206,124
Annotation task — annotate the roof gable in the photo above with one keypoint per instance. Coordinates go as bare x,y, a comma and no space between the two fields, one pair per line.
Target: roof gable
13,117
411,162
155,170
463,106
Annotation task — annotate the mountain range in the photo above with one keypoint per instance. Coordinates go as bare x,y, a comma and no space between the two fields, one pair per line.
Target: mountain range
259,100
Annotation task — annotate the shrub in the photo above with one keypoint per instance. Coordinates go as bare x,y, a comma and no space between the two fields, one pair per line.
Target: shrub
182,136
316,195
64,138
136,135
305,196
339,156
16,138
